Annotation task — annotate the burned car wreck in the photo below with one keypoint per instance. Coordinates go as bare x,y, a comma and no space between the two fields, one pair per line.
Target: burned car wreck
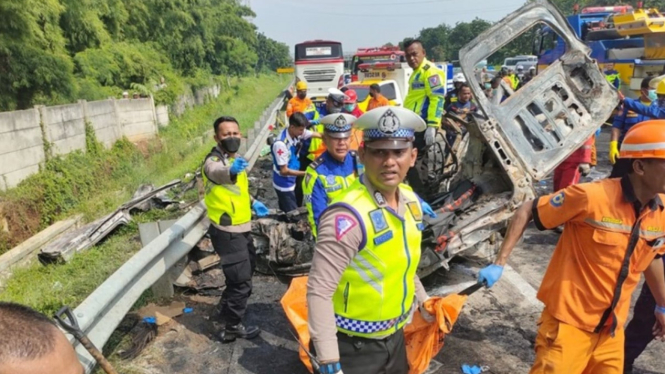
476,184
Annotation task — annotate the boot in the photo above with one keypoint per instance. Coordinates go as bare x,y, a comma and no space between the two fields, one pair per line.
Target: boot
231,333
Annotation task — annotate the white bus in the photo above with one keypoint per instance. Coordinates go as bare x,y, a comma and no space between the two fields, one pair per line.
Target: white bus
319,63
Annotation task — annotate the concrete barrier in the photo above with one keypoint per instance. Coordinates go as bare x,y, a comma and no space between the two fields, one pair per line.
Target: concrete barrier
162,112
103,117
64,127
137,119
21,146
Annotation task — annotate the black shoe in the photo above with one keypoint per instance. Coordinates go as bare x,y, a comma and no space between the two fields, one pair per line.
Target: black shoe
231,333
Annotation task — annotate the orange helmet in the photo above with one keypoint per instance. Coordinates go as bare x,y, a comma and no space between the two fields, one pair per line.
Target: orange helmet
644,140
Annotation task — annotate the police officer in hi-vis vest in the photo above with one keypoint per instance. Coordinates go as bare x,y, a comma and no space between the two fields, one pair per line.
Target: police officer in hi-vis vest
334,170
230,211
363,285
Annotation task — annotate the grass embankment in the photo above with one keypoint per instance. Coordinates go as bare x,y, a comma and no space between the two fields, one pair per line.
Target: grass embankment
97,182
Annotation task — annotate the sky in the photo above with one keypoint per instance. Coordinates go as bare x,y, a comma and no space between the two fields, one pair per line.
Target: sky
367,23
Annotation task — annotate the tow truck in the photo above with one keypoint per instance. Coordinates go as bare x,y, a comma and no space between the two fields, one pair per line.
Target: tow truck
630,39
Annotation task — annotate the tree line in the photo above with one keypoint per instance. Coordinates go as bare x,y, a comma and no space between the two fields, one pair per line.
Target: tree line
58,51
443,42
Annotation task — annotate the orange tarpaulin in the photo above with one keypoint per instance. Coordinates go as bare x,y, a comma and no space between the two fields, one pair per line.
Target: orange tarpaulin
423,340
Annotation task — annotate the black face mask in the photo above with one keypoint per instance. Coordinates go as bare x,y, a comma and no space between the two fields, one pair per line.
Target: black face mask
302,96
230,144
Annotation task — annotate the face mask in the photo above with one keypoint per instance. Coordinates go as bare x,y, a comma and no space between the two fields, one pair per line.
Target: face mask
230,144
488,86
302,96
333,109
349,107
652,95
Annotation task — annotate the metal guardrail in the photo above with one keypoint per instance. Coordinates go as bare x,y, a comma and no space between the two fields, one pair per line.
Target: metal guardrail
103,310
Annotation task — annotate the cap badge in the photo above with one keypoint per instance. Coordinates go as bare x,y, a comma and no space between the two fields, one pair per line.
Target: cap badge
389,123
340,121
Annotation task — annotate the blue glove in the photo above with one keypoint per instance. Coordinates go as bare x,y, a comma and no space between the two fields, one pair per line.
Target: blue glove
660,309
475,369
239,165
331,368
428,209
260,209
490,275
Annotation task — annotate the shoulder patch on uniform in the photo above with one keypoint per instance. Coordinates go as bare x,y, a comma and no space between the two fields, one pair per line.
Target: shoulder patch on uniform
434,80
378,219
343,224
308,178
214,158
426,67
415,210
557,200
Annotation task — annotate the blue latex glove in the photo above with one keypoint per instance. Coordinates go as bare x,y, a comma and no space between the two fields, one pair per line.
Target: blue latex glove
490,275
331,368
260,209
475,369
238,166
428,209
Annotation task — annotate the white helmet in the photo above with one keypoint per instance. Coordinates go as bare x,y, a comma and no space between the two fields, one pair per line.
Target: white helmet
520,67
459,78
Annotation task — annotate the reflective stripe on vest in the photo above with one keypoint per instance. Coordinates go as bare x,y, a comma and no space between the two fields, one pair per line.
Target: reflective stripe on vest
232,200
376,291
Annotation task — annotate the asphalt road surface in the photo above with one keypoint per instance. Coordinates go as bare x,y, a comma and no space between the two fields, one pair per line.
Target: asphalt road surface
496,329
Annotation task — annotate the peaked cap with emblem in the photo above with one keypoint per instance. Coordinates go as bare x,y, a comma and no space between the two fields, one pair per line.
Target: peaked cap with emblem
390,127
338,125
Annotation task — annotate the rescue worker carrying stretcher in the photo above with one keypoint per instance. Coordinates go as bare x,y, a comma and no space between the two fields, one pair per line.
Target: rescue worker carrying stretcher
614,232
334,171
363,285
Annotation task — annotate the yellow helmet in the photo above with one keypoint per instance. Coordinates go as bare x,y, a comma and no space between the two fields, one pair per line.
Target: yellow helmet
660,87
301,86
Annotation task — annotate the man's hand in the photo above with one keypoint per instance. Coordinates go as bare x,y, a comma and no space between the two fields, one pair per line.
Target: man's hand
659,327
614,151
490,275
430,134
585,169
238,166
260,209
427,209
425,314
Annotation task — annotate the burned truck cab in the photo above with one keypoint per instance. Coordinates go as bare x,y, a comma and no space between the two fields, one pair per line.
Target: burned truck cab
515,139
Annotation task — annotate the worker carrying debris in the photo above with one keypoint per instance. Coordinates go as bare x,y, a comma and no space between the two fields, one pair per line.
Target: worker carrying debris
614,231
363,285
334,170
230,206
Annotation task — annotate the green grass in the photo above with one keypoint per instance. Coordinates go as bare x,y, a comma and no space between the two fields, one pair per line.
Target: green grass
96,185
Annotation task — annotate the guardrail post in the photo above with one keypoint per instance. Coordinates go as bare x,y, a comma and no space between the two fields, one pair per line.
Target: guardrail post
148,232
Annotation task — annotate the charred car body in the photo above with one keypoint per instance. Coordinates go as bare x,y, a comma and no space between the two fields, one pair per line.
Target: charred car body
477,183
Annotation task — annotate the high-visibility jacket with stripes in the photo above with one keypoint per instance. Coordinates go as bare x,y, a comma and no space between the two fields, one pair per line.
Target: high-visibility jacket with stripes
377,289
231,201
427,90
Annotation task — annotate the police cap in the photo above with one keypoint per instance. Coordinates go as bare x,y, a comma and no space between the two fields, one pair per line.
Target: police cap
390,127
338,125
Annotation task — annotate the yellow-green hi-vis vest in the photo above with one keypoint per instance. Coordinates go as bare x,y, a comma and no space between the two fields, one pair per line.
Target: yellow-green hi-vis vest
227,204
333,184
377,290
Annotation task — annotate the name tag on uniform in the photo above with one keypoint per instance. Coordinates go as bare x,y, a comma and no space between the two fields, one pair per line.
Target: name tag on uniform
334,188
416,85
383,237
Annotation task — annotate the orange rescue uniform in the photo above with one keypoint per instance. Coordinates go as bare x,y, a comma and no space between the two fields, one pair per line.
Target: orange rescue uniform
377,101
297,104
607,242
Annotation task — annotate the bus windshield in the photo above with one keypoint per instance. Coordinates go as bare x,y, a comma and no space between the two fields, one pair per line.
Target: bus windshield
318,51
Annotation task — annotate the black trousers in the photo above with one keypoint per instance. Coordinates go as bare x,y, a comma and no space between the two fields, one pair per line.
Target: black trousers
638,332
238,261
373,356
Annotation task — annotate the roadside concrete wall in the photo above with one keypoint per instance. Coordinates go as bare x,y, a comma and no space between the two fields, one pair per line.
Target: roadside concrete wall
103,118
24,133
137,119
21,146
